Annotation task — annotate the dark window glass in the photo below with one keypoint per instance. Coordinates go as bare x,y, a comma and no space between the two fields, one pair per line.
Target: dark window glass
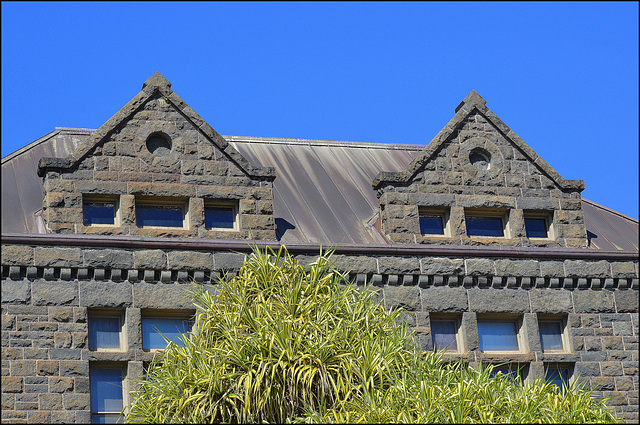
498,336
512,373
218,217
559,377
550,335
535,227
484,226
159,215
99,213
155,330
104,332
444,335
106,394
431,225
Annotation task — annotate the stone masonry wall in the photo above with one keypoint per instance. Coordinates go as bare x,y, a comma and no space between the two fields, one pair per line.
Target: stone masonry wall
195,170
48,291
514,183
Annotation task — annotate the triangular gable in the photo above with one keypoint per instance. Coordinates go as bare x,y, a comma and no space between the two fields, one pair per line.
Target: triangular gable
471,103
155,84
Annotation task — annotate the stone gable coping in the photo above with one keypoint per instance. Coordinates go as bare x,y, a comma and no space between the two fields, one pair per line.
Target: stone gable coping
155,83
473,101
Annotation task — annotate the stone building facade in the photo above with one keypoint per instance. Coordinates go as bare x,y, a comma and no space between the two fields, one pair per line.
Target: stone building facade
402,218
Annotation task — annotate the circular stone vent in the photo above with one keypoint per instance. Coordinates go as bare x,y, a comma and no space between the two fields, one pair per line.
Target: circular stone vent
159,144
480,159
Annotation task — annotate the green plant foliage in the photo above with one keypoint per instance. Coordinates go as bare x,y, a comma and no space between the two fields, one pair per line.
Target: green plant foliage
279,343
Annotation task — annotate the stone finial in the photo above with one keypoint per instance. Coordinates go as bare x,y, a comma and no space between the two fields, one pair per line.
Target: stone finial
157,80
473,98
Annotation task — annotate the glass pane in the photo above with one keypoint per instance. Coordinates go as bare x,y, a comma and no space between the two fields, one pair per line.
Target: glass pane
221,218
431,225
484,226
443,333
512,373
107,419
499,336
558,377
159,215
535,227
106,390
104,332
154,329
99,213
550,335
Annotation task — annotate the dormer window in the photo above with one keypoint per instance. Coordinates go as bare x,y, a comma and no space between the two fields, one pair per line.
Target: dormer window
161,213
488,223
220,216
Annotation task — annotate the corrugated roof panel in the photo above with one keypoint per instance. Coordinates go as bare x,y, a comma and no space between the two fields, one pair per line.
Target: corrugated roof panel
607,235
13,216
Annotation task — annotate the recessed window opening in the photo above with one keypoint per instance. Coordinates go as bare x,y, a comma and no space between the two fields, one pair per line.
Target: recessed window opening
220,216
512,372
445,334
557,375
107,395
155,329
538,225
480,159
161,213
499,335
99,211
105,331
159,144
553,337
434,222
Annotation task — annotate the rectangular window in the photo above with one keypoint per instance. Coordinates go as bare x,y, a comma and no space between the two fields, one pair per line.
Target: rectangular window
107,394
487,222
100,211
434,222
161,213
445,333
498,335
558,376
553,337
105,331
513,372
538,225
220,217
156,329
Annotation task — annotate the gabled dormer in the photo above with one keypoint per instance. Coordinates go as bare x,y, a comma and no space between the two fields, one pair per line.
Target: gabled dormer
156,168
478,183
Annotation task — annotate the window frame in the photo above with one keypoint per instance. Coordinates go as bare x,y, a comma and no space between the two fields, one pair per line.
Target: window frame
457,321
165,314
158,201
103,199
444,215
548,221
517,320
521,369
125,387
569,367
108,314
502,214
211,203
564,332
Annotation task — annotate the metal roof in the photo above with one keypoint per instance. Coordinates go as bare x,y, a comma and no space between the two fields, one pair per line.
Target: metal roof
322,192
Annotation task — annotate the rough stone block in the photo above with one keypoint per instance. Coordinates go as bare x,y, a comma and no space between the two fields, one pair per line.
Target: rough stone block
480,267
17,255
54,293
154,259
551,268
12,384
161,295
442,266
517,268
58,257
72,368
548,301
444,299
590,301
228,260
498,300
399,265
582,268
402,296
109,258
76,401
351,263
626,301
190,260
105,294
15,292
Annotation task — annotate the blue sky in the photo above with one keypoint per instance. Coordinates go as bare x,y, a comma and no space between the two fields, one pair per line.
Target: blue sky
563,76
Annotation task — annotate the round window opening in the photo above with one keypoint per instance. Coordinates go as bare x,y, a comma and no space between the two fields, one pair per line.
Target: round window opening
480,159
159,144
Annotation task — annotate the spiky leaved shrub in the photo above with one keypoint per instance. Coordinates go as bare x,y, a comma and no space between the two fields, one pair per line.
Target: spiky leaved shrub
279,343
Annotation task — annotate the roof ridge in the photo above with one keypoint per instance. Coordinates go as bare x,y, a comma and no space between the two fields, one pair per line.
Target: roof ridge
323,142
610,210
